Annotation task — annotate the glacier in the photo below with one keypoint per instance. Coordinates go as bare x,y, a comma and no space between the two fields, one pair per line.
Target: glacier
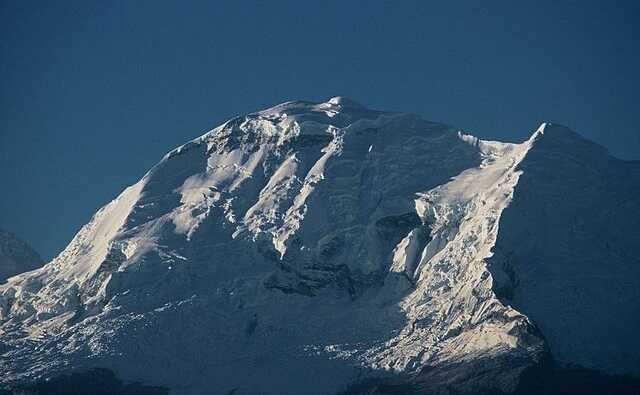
310,246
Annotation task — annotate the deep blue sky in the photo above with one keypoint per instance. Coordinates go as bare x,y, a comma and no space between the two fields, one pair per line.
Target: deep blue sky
94,93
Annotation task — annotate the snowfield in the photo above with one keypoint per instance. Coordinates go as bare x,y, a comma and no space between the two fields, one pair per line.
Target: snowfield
310,246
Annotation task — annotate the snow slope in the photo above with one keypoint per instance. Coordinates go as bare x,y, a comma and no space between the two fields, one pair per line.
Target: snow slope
298,249
16,256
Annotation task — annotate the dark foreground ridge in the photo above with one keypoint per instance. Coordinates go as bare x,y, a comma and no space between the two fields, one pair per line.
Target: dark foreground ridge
547,378
94,381
553,380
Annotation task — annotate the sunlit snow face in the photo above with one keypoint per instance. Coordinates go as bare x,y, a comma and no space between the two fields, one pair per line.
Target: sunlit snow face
296,177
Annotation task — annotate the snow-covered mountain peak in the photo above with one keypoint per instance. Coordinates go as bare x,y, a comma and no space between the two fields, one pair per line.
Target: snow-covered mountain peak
349,241
563,140
338,112
344,102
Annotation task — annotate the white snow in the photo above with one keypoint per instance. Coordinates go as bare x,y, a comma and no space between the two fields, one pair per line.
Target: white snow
283,241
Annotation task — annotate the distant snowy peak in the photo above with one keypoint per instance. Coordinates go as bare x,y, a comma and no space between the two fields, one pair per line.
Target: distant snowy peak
16,256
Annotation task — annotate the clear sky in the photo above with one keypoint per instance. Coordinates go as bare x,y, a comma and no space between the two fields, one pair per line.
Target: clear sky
93,93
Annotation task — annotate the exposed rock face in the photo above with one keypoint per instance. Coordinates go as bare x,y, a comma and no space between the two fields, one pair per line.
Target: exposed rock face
16,256
299,249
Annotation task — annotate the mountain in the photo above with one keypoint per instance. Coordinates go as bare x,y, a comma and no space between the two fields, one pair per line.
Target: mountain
16,256
316,247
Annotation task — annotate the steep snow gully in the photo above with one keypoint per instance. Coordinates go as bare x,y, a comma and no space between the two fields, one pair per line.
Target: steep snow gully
310,246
